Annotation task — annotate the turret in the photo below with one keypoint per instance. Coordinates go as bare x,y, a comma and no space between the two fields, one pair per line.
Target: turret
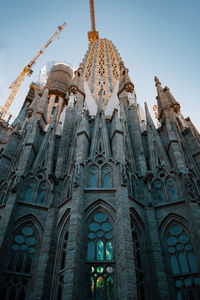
127,98
125,83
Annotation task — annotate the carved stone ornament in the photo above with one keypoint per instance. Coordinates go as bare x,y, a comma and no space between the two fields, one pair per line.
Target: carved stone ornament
76,178
191,189
123,176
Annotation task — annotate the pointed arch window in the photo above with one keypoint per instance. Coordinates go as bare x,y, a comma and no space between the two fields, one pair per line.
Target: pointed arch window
191,188
3,192
42,193
182,261
139,260
159,191
19,269
172,190
31,188
100,263
106,177
93,175
62,264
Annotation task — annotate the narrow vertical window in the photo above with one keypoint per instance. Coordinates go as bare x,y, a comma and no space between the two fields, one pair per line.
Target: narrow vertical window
100,264
106,178
93,178
41,193
30,191
171,186
159,191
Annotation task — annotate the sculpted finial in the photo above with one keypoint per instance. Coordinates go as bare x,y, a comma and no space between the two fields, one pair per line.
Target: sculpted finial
156,80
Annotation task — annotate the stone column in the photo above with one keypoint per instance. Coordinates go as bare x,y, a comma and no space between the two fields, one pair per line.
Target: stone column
158,277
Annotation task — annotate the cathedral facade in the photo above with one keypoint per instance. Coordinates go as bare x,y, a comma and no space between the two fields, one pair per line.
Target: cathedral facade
95,201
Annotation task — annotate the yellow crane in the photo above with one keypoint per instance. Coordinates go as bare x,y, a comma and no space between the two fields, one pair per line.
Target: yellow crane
26,71
93,35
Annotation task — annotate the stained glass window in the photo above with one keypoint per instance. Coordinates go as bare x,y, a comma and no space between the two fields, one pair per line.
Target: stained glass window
182,259
109,286
99,257
159,191
41,193
93,178
21,255
109,251
30,191
106,178
23,248
91,251
100,250
171,186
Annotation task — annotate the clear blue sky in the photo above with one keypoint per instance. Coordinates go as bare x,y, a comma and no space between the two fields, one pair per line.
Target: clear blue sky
154,37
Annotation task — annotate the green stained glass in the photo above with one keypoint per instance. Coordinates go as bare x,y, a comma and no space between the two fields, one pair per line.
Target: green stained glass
91,269
179,247
106,226
100,233
92,285
100,217
100,287
179,283
197,280
31,250
171,240
90,252
174,265
91,235
175,230
183,238
94,226
108,235
110,289
188,282
23,247
109,251
183,263
100,255
27,231
188,247
192,262
15,247
31,241
19,239
171,250
100,270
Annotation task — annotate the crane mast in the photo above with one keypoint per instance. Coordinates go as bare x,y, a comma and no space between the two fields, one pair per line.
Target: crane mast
26,71
93,35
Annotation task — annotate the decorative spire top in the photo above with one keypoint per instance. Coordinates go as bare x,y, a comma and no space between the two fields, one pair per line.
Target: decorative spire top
93,35
156,80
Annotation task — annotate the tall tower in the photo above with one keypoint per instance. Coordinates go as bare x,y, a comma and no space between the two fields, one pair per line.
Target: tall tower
95,203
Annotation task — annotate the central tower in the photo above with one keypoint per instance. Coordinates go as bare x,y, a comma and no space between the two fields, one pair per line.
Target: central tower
101,66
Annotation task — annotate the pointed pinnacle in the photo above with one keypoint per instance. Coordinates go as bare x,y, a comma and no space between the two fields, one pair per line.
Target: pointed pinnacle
156,80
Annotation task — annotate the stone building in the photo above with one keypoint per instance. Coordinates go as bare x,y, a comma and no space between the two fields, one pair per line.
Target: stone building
95,201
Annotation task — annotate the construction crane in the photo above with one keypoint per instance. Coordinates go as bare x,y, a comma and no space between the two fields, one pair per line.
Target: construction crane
93,35
26,71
